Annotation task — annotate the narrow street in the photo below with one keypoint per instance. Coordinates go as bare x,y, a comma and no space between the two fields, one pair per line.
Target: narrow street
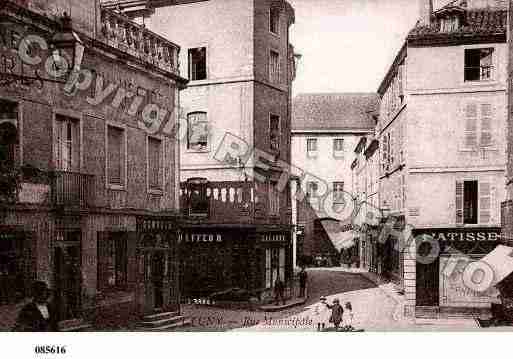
320,282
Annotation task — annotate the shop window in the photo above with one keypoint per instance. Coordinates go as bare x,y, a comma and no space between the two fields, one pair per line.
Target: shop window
281,264
274,132
478,64
198,64
14,268
8,132
197,131
274,20
274,67
154,164
116,156
113,261
67,138
268,283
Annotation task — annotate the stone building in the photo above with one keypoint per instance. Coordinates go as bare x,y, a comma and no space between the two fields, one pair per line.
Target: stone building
325,130
235,117
87,109
442,145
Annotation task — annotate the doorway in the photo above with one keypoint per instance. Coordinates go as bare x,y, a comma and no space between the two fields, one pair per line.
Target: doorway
68,280
157,278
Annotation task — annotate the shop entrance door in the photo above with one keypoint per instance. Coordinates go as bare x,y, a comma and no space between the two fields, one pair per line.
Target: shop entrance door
427,284
68,280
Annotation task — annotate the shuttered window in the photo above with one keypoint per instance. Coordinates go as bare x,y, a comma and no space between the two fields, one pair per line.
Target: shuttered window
268,268
67,142
478,132
113,269
274,67
473,202
154,163
116,155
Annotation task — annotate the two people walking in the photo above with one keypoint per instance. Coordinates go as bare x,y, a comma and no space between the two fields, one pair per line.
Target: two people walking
339,316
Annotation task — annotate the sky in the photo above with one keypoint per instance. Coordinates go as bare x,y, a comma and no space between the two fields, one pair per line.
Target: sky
348,45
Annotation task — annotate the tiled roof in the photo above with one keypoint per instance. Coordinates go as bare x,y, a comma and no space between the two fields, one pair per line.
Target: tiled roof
474,21
334,111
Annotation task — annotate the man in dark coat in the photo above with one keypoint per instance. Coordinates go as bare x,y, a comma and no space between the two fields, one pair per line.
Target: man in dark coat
336,313
38,315
303,277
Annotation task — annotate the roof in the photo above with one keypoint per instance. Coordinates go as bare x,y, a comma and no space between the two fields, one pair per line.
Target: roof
334,111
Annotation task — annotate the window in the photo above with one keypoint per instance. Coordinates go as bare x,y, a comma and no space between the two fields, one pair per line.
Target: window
198,64
112,261
473,202
312,189
274,67
274,200
67,134
281,264
274,131
478,131
338,192
478,64
268,283
8,132
154,164
449,24
197,131
338,147
274,20
116,150
198,199
311,147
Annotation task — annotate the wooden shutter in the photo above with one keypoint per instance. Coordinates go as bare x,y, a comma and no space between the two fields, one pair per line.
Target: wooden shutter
471,126
115,147
58,142
459,201
485,195
486,126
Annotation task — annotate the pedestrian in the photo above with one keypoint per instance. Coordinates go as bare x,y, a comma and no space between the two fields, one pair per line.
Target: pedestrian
303,277
321,315
336,313
347,317
279,291
38,315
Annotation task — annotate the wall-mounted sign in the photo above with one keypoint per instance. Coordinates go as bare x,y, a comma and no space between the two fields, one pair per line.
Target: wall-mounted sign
455,235
199,238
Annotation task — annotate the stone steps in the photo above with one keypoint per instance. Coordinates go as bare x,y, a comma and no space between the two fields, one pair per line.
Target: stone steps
163,322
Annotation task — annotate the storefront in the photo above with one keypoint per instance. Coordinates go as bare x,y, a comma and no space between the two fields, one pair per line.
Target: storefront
443,256
217,259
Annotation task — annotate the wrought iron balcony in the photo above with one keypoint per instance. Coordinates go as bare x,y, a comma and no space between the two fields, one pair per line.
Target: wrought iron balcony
72,190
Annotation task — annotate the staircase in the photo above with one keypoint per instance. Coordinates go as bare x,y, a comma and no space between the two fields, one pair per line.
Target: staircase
161,322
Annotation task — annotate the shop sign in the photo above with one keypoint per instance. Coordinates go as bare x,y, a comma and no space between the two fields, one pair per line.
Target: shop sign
199,238
478,235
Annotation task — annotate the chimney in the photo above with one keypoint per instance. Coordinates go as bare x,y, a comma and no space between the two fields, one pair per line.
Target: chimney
426,10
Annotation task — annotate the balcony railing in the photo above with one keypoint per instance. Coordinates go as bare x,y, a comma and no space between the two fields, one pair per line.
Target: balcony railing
71,189
120,32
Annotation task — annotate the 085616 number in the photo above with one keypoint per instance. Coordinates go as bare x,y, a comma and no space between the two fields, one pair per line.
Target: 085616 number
50,349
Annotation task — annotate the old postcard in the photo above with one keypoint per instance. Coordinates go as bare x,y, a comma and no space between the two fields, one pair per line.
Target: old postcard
255,166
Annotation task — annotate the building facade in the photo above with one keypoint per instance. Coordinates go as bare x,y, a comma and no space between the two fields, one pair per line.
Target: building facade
93,212
442,146
325,130
240,63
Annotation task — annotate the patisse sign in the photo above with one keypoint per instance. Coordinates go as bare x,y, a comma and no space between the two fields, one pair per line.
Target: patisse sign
478,235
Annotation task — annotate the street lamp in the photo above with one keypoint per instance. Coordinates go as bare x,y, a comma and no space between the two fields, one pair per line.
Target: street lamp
67,44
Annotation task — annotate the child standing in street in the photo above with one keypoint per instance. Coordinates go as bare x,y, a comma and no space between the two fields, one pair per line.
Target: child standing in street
321,314
347,317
